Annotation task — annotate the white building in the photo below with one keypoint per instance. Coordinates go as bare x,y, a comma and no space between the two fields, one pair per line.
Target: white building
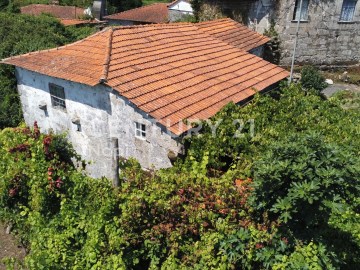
131,88
178,9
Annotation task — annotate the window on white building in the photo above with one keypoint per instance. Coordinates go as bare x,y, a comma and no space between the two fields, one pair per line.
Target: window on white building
140,130
303,13
348,10
57,95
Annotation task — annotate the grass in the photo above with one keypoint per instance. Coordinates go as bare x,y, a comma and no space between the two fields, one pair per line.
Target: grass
149,2
353,73
349,99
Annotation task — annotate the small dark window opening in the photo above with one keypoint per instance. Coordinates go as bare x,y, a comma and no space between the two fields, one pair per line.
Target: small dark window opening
348,10
57,94
303,13
140,130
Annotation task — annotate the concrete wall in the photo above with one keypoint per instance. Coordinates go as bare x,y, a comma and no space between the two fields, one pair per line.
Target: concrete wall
258,51
103,114
259,14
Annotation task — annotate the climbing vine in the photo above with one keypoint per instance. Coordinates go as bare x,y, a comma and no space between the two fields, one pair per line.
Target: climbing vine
284,197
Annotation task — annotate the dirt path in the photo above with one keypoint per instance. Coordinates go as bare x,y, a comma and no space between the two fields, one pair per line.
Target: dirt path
9,247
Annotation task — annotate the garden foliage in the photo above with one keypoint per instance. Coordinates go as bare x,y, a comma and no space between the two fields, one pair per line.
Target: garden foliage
279,194
21,34
312,79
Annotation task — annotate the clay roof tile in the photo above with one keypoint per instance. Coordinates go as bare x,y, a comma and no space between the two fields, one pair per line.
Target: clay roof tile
155,13
170,71
62,12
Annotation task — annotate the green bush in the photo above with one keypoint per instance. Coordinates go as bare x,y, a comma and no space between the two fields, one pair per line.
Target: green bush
21,34
272,51
311,78
171,218
280,198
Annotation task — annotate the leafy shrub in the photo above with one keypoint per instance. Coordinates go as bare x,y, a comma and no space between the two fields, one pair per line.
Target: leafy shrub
169,218
304,181
281,198
209,12
312,79
196,6
272,51
21,34
115,6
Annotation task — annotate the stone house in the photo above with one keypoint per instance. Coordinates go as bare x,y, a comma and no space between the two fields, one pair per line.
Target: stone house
154,13
126,91
329,32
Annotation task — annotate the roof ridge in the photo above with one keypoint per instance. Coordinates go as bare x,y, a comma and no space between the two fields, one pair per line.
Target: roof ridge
125,11
173,2
52,5
217,20
172,24
105,72
54,49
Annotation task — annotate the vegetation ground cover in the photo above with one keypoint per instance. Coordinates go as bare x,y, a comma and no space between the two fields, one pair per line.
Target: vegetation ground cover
149,2
284,196
353,74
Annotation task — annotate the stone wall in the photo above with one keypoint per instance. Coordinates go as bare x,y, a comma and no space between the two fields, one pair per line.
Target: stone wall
104,116
323,40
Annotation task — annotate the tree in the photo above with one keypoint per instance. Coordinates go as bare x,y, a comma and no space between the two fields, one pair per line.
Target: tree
3,4
311,79
115,6
196,6
21,34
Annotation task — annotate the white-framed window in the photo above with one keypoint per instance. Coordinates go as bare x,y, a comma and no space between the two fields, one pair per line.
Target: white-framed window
348,10
140,130
303,13
57,94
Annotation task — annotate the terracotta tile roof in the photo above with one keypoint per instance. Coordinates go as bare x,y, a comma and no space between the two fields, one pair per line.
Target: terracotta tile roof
82,61
69,22
155,13
234,33
170,71
63,12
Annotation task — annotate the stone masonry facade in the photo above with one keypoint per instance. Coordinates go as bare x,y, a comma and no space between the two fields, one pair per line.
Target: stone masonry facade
324,40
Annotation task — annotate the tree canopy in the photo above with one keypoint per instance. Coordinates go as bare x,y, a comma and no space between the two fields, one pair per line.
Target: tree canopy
21,34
